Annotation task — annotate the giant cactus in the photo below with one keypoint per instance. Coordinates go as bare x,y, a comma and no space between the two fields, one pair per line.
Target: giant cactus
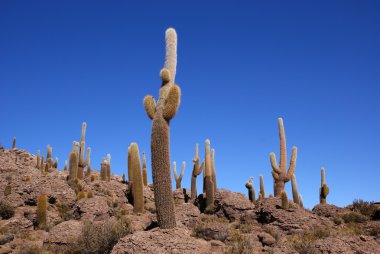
279,173
49,158
251,190
209,185
161,114
296,197
138,191
38,159
213,168
73,162
14,143
103,170
262,189
82,160
196,171
178,179
88,161
324,190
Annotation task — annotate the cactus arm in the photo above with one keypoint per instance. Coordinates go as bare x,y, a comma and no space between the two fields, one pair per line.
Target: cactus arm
282,145
83,135
182,170
175,170
201,168
292,166
88,156
172,102
171,52
262,188
213,168
274,164
295,190
150,106
276,177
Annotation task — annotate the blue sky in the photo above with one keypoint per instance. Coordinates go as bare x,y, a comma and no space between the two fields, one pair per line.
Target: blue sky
240,66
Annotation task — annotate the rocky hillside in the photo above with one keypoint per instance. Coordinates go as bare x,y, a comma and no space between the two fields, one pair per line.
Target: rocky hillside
43,212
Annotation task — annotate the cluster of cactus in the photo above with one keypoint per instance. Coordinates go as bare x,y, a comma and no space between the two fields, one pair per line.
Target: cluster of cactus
178,179
77,160
279,173
161,114
49,163
324,190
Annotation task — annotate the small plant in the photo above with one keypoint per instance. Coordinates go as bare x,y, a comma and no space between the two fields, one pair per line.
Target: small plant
26,178
81,195
8,190
364,207
239,244
6,211
90,194
354,217
42,211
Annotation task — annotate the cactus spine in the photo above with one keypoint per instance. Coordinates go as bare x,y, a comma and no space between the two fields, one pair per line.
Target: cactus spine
251,189
196,171
73,167
161,114
209,185
144,171
296,198
279,173
178,179
324,190
213,168
138,189
284,200
262,189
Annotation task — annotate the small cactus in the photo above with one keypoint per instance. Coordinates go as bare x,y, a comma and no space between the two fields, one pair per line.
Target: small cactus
161,114
324,190
8,190
42,206
38,159
295,190
262,189
138,188
209,185
251,190
279,173
66,166
55,163
42,167
103,170
178,179
73,167
196,171
81,195
14,143
123,178
144,170
284,200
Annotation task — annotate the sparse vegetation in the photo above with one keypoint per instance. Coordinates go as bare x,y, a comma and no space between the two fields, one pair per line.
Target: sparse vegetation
354,217
6,211
238,244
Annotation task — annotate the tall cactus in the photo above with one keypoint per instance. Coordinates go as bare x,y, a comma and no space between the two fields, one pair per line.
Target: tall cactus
88,161
38,159
213,168
279,173
108,167
144,170
178,179
161,114
82,160
49,158
209,185
66,165
324,190
196,171
14,143
55,163
103,170
262,189
138,191
251,190
130,171
284,200
296,198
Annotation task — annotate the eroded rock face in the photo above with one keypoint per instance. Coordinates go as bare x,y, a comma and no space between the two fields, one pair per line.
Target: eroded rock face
292,220
346,245
63,235
329,211
187,215
95,208
162,241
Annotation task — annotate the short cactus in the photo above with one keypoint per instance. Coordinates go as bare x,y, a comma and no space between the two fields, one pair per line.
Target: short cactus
130,173
103,170
88,161
13,143
324,190
83,162
178,179
209,185
196,171
38,159
73,167
262,189
144,170
284,200
138,188
161,114
295,190
279,173
123,178
251,190
42,206
8,190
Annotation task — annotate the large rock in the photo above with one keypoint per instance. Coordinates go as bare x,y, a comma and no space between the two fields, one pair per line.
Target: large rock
346,245
95,208
162,241
187,214
63,235
329,211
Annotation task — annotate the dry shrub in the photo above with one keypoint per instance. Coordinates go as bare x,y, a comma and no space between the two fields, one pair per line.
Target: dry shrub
364,207
354,217
63,210
304,242
238,244
100,238
6,211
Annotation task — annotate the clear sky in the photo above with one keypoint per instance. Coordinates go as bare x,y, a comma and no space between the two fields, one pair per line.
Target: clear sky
241,65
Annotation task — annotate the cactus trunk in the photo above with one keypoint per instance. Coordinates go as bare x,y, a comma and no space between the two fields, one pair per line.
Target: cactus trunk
144,171
262,189
209,185
296,198
138,189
